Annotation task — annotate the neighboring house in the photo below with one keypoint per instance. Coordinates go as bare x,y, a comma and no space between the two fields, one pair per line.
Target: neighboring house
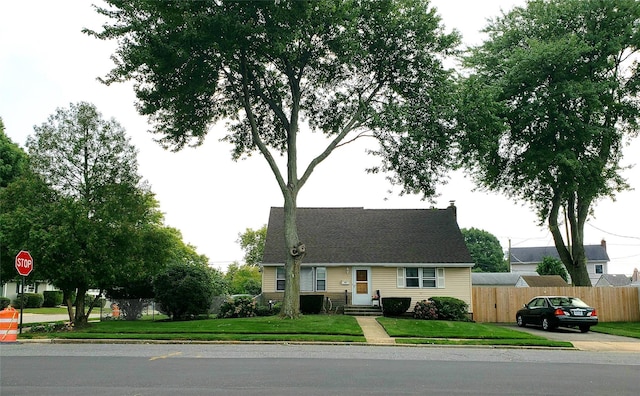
541,281
613,280
526,259
352,253
496,279
11,289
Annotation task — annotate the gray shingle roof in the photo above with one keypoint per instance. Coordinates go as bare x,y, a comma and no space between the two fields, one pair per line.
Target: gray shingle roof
613,280
528,255
370,236
496,278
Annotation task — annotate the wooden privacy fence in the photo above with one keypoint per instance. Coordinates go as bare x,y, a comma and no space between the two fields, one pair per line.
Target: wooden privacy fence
500,304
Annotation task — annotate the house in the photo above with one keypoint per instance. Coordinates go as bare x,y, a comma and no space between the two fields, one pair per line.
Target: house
526,259
496,279
354,253
12,288
613,280
541,281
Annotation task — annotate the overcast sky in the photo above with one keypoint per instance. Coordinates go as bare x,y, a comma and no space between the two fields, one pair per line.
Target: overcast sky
46,62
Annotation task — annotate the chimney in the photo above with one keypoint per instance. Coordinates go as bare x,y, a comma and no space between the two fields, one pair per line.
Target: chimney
635,277
603,243
452,206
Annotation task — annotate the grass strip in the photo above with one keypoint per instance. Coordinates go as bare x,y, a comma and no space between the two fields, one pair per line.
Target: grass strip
415,328
625,329
498,342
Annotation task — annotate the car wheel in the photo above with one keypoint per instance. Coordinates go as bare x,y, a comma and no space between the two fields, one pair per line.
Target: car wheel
584,329
520,321
546,325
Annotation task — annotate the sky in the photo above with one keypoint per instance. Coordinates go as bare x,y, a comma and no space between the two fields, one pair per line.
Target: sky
46,62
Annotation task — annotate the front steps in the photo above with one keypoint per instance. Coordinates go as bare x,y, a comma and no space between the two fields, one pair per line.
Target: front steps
362,310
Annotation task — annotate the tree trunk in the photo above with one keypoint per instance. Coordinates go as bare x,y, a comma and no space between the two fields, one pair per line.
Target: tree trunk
66,296
291,301
81,318
572,252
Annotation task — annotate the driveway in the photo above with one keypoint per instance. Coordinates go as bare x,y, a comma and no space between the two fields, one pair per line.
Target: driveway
591,341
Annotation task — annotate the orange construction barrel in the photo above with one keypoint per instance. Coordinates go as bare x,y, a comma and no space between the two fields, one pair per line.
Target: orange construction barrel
9,325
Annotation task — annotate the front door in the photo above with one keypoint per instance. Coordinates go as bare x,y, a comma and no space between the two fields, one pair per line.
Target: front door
361,292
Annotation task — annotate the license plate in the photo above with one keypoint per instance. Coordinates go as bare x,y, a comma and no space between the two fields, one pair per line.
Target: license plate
578,312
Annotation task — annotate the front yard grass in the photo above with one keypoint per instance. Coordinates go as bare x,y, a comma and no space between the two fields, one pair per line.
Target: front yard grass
413,331
626,329
324,328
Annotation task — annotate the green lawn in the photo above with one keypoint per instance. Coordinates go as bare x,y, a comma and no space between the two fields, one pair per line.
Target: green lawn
412,331
627,329
326,328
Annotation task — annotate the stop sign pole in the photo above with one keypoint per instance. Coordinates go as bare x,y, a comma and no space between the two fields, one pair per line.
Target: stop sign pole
24,266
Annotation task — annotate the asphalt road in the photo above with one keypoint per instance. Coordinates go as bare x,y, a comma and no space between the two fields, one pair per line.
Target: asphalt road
207,369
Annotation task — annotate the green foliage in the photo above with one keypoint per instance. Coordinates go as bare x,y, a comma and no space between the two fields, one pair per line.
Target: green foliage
552,266
451,308
339,69
184,290
52,298
31,300
311,303
252,243
239,307
485,250
13,160
549,104
425,310
395,306
4,302
243,279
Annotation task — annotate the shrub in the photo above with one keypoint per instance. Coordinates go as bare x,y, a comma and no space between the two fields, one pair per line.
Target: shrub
239,307
52,298
31,300
311,303
4,302
395,306
425,310
184,290
450,308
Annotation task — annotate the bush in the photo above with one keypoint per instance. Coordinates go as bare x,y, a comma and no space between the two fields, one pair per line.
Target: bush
184,290
395,306
4,302
311,303
239,307
450,308
31,300
52,298
425,310
265,310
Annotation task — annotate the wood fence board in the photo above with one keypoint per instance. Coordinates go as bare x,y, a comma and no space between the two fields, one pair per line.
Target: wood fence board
500,304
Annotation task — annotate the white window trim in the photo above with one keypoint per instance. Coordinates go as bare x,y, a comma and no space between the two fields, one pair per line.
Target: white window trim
314,273
401,279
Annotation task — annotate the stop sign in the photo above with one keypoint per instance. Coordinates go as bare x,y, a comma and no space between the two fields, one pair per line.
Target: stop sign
24,263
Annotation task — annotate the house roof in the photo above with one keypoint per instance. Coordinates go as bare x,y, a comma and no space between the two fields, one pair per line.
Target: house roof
496,278
529,255
371,236
544,281
613,280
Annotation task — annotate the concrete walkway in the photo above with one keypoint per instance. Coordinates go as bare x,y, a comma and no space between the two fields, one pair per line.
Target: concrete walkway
374,333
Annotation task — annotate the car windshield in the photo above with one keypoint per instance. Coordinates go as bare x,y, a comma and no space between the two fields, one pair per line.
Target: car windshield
568,301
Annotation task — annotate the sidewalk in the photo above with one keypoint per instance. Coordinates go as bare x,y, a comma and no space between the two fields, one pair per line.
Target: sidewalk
374,333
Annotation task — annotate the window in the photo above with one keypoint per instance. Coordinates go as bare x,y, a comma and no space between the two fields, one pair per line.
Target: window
421,277
599,269
279,278
311,279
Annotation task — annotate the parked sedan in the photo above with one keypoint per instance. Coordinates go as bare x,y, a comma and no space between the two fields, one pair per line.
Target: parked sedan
557,311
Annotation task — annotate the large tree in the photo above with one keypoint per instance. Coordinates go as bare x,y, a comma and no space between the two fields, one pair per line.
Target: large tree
274,69
94,207
13,165
252,243
550,100
485,249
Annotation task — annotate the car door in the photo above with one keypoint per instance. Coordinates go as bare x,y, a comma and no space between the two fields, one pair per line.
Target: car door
536,311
